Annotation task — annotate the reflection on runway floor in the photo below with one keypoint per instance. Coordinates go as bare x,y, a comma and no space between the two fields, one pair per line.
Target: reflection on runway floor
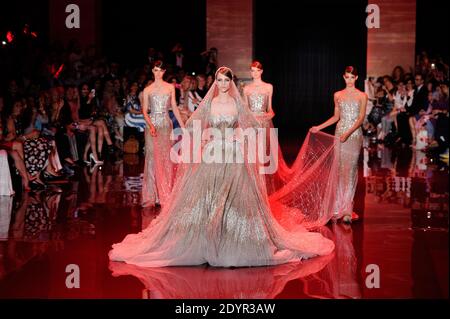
402,198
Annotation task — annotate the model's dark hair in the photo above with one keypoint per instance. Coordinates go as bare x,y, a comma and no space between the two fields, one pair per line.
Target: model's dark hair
256,64
159,64
351,69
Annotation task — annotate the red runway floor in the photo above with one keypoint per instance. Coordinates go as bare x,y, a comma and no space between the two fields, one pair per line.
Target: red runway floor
402,236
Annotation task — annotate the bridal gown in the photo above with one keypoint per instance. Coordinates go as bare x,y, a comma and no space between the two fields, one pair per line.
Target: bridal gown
219,215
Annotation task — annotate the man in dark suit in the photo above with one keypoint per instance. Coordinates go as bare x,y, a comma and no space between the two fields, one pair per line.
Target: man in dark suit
418,106
420,96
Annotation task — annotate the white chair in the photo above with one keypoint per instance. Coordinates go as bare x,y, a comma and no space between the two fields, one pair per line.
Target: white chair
5,176
421,139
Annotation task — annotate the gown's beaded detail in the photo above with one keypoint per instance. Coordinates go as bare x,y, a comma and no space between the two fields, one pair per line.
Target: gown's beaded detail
348,156
258,102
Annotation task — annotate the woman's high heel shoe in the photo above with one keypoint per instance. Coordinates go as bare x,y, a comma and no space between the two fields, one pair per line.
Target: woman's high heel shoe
26,187
347,219
96,162
93,168
36,185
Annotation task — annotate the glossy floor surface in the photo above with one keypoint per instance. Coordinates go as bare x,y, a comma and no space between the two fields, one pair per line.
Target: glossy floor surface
53,240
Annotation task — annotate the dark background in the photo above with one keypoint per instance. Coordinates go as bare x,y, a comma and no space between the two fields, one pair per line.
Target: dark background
131,27
303,46
304,53
14,14
432,27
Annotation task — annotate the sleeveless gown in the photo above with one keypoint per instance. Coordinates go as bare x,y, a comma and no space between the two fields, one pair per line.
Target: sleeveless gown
258,104
348,154
158,169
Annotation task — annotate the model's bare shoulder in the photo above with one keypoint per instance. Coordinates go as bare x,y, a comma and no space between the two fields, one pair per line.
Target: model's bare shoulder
337,94
363,95
169,86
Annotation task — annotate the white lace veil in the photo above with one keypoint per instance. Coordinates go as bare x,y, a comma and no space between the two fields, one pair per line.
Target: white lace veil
245,116
200,119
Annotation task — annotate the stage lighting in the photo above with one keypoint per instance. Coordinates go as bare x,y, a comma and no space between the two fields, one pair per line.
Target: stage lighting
9,36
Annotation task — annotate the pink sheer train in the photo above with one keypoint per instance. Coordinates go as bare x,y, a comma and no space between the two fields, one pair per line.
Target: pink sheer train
307,195
297,192
321,183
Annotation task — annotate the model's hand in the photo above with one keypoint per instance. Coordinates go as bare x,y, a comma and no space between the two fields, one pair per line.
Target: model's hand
314,129
152,130
343,138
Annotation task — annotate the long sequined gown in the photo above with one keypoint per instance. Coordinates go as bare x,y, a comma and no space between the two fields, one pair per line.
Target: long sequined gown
158,169
210,219
348,156
258,104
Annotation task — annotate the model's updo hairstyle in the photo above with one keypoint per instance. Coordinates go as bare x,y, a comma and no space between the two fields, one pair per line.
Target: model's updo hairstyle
257,64
351,69
159,64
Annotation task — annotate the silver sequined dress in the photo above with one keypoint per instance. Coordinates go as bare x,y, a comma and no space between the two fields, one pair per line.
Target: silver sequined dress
158,169
258,104
348,153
